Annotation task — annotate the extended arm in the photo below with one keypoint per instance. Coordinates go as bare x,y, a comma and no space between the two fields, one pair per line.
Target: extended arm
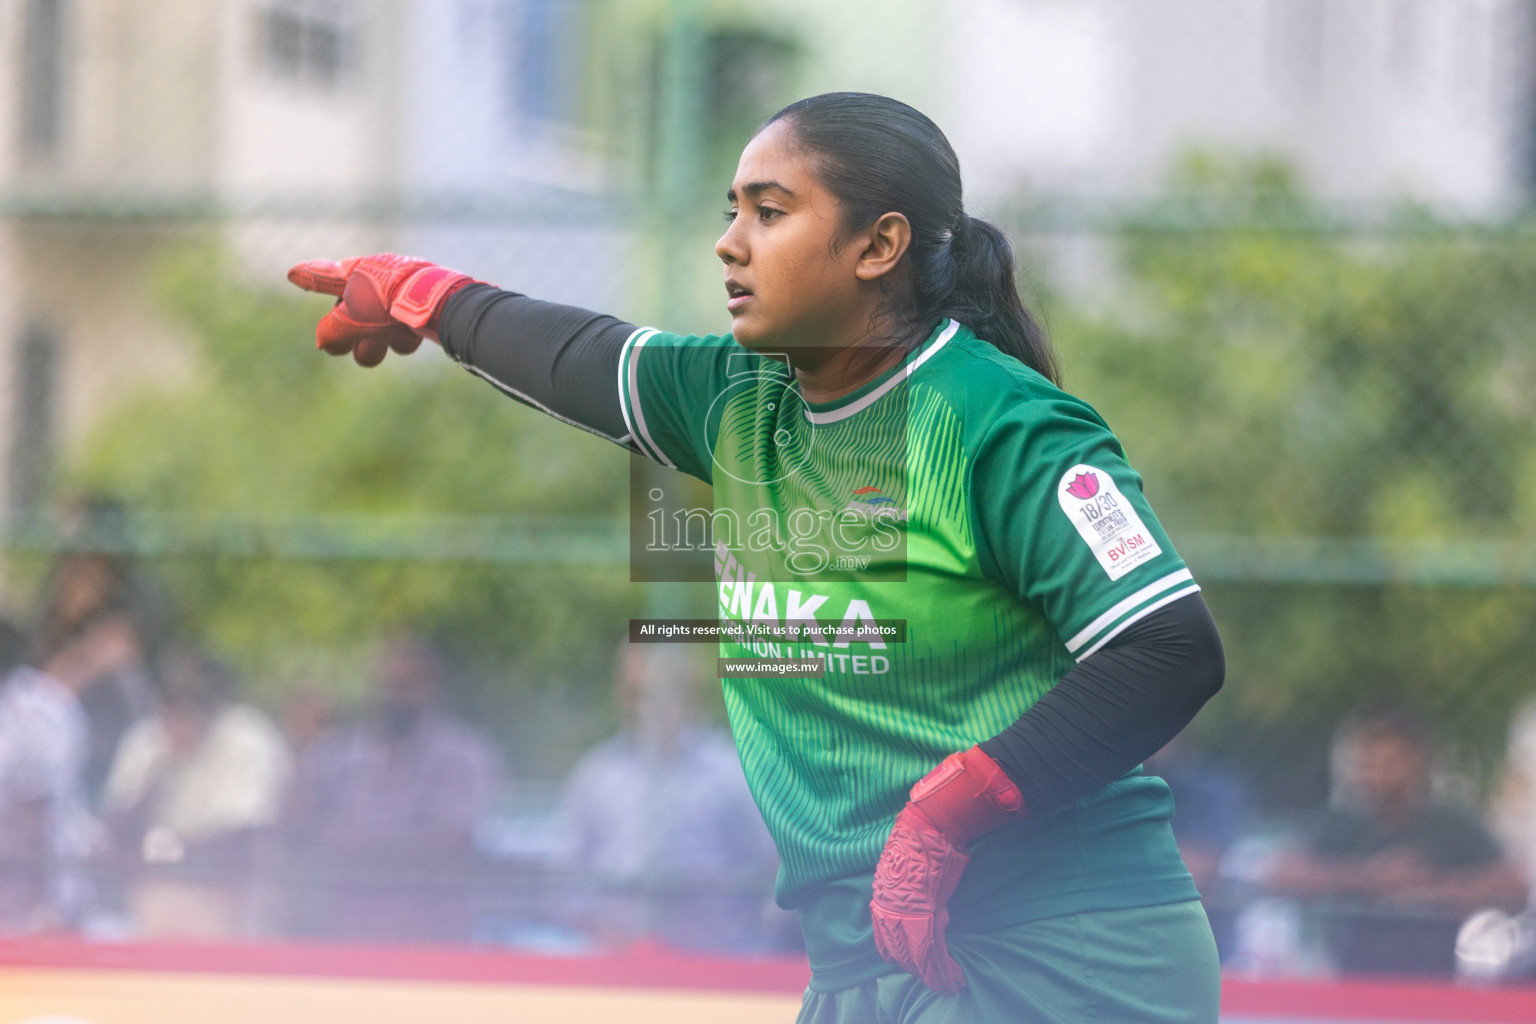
562,360
559,359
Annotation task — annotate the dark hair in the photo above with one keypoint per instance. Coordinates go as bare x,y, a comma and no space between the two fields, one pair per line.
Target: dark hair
1387,718
192,679
877,156
13,648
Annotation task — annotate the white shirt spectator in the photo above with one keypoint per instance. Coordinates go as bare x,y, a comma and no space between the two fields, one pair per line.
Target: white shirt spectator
42,751
45,828
1514,804
235,778
637,815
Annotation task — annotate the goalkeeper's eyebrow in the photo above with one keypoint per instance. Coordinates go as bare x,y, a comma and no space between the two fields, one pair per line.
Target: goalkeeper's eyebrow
754,189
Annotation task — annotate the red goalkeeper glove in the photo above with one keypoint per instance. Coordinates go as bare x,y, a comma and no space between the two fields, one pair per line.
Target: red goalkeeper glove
382,302
964,797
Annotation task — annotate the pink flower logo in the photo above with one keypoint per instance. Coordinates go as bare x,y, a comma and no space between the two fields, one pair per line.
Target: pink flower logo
1085,486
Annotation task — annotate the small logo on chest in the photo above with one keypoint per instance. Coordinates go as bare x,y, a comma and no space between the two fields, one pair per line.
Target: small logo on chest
868,501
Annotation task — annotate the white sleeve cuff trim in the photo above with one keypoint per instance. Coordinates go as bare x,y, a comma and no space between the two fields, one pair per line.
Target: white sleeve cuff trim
629,396
1120,608
1148,610
834,415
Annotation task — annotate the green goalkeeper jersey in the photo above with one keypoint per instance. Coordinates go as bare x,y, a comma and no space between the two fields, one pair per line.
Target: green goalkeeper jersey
962,495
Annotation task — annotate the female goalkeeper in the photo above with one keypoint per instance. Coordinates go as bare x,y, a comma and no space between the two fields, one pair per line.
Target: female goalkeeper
961,818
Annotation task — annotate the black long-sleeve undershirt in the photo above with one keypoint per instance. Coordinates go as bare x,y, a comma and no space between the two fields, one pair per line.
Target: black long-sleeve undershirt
1115,708
1100,720
562,360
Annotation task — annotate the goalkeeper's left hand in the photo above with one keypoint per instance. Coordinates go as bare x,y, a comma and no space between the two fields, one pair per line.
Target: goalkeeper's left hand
383,302
964,797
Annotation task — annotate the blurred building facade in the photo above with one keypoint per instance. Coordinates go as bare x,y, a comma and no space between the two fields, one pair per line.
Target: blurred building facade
288,128
497,134
1373,100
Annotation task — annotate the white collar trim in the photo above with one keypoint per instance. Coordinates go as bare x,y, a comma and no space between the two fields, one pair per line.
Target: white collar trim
834,415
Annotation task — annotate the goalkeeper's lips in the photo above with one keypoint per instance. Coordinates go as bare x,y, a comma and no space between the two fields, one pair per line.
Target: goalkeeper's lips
737,294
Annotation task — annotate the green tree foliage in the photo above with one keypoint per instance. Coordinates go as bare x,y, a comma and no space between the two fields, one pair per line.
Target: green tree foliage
1276,379
276,439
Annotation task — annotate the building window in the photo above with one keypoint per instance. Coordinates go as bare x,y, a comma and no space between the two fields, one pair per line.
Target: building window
1472,58
34,396
309,43
1406,56
749,73
1297,32
42,77
546,69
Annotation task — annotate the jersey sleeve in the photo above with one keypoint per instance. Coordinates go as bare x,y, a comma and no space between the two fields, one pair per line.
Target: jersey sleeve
670,391
1062,521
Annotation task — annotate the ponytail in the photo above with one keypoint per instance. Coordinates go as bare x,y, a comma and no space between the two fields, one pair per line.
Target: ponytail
984,296
879,156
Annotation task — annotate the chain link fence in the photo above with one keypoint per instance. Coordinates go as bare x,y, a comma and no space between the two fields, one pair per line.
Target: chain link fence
1283,245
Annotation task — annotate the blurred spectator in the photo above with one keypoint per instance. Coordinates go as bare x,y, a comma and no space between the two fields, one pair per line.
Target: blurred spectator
190,792
45,830
1403,868
661,822
384,810
1211,807
1514,803
308,713
1211,810
96,634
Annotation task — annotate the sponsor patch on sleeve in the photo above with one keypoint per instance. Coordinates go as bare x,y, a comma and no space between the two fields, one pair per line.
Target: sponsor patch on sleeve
1107,522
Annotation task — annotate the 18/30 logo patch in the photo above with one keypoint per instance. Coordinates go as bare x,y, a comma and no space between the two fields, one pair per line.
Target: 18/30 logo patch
1105,520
